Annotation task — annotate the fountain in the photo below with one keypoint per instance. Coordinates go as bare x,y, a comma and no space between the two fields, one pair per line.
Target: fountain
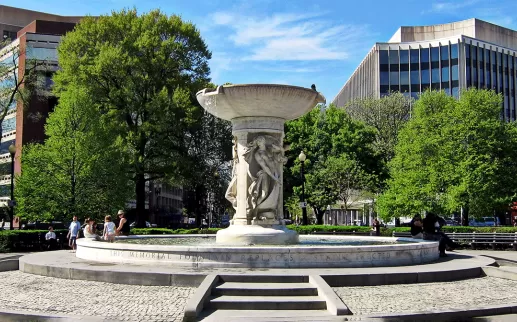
258,113
257,236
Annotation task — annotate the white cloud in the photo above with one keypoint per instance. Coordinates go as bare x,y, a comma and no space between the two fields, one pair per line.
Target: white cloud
220,63
291,37
450,6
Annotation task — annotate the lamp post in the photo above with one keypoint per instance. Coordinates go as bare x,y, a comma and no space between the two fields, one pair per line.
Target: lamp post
302,159
12,151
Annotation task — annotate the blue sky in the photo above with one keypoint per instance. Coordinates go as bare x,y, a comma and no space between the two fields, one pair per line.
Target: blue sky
293,42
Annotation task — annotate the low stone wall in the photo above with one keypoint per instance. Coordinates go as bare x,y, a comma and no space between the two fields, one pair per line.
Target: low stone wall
263,257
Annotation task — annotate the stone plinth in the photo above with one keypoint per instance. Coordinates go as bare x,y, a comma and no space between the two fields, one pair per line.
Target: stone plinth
258,113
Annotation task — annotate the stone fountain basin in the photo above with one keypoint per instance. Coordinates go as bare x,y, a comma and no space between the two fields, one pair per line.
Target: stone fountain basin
292,256
255,100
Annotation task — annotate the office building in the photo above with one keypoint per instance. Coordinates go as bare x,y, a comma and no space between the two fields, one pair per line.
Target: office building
449,57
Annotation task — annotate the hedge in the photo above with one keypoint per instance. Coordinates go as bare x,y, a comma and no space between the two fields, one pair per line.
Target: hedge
23,240
312,229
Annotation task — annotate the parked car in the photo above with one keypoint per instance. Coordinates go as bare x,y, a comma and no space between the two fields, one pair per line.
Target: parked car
450,222
147,224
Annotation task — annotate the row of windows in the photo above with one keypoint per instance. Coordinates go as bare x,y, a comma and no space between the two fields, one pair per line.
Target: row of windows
490,69
415,70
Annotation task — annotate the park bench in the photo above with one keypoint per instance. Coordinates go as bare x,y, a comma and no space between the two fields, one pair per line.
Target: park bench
475,239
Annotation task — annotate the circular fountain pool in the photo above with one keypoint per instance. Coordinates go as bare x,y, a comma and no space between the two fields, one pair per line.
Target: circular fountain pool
200,251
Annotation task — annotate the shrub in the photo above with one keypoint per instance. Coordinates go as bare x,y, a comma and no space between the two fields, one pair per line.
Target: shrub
23,240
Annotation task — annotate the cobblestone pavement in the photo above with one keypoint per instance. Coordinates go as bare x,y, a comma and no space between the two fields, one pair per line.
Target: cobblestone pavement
478,292
27,292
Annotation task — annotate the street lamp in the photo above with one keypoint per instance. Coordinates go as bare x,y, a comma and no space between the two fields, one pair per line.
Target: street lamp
302,157
12,151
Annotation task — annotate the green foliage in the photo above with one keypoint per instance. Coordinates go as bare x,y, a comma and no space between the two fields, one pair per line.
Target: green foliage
141,72
452,154
15,240
328,137
386,115
311,229
77,171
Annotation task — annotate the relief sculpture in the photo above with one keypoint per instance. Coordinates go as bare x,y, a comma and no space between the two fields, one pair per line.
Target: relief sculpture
231,192
265,158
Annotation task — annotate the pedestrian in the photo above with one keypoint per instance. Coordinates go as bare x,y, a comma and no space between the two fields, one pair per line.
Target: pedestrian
109,229
73,233
123,225
51,238
377,226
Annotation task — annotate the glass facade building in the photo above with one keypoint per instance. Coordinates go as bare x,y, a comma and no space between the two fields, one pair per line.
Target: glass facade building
450,64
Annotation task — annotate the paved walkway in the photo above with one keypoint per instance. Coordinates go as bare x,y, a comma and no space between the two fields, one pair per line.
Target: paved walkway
464,294
509,255
48,295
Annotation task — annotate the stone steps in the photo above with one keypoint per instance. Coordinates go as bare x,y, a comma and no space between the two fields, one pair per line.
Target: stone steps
227,302
265,289
264,292
271,316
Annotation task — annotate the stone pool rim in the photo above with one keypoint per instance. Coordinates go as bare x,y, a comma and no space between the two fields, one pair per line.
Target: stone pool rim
291,256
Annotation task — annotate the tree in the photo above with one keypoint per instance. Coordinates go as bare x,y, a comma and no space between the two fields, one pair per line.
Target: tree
209,143
453,154
324,133
387,115
141,71
345,177
78,170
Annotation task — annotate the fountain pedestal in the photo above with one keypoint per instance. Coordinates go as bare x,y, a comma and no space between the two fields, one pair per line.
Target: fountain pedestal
258,113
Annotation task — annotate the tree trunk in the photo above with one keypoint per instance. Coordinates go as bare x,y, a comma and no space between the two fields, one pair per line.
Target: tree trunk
141,214
319,215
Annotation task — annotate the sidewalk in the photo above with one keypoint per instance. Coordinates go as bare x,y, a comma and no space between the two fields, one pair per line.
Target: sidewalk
509,255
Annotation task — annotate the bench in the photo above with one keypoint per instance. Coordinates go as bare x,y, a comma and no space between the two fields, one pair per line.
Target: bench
474,239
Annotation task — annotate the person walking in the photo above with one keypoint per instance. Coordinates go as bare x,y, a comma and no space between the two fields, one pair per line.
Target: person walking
123,225
73,233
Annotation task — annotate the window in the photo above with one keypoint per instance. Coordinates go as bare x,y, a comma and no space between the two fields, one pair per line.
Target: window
487,69
394,78
4,146
480,55
9,124
404,57
384,64
404,78
385,78
415,77
11,35
474,68
468,63
454,51
493,61
394,61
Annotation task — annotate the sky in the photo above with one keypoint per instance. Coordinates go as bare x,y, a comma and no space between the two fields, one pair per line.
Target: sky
296,42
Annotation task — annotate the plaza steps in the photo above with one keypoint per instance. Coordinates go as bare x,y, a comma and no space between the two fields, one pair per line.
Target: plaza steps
265,293
263,297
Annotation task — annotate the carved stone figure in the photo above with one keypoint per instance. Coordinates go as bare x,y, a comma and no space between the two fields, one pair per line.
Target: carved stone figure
265,159
231,192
